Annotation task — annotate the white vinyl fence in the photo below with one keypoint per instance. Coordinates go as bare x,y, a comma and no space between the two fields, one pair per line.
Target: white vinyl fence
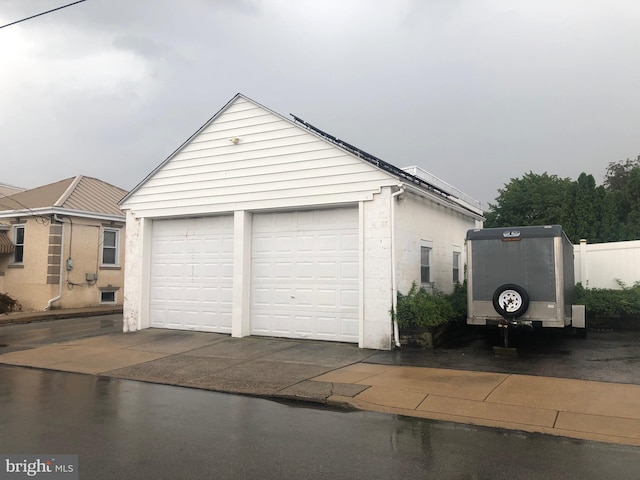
600,265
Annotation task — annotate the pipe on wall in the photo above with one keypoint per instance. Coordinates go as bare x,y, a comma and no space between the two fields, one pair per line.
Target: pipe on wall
394,288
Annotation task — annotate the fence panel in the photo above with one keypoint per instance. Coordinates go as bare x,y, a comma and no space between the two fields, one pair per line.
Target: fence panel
599,265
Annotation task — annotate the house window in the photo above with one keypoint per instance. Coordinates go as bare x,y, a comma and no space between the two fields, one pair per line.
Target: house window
110,246
108,296
425,267
18,242
456,267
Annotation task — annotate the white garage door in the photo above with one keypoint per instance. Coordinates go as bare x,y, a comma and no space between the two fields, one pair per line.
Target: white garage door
305,275
192,274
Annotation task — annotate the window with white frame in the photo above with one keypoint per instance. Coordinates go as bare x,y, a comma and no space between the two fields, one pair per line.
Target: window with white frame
18,242
425,262
110,237
108,296
456,267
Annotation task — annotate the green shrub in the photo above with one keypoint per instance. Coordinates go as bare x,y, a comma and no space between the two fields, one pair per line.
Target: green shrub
420,309
609,302
8,304
458,300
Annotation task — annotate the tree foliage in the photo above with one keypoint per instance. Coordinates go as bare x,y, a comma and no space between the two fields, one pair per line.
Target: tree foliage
598,213
619,173
531,200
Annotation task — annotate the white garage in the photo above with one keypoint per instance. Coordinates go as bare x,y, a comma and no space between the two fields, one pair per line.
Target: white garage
304,274
191,280
260,225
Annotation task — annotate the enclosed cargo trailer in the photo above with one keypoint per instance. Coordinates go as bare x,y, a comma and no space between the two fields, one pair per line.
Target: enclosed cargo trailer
521,276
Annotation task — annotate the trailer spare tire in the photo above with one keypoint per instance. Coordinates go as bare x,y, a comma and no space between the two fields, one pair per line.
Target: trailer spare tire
510,300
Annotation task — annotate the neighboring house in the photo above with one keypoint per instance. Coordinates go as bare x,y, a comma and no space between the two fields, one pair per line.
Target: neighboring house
259,225
62,245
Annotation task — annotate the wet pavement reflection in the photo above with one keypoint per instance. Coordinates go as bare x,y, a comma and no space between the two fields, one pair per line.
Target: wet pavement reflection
127,429
605,356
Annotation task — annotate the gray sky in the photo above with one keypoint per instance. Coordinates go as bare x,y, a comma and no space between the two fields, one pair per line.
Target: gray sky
474,91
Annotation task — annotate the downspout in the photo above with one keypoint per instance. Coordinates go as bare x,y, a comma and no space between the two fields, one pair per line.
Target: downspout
394,294
59,296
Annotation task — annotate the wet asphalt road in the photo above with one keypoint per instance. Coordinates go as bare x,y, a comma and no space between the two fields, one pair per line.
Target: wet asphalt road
126,429
606,356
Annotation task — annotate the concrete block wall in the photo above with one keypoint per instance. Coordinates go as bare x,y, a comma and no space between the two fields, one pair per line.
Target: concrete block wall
377,286
417,220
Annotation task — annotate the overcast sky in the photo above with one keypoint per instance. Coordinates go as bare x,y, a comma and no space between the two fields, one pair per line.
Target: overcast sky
474,91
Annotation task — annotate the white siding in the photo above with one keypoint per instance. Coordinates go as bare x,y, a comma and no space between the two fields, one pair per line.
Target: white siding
275,164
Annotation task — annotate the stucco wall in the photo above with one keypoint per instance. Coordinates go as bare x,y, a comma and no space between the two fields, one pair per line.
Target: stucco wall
37,280
83,244
27,283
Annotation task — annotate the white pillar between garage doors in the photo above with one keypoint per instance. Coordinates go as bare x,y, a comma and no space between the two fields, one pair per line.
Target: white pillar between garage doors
241,307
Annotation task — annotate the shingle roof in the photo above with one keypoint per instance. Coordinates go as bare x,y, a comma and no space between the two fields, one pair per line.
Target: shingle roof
85,194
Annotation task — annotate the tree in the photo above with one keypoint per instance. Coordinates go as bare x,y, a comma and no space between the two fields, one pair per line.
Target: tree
622,182
619,173
582,210
531,200
632,199
605,213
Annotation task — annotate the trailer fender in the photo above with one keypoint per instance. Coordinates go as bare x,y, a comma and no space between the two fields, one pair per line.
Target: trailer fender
510,300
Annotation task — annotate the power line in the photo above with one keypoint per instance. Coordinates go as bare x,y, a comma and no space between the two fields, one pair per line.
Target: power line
40,14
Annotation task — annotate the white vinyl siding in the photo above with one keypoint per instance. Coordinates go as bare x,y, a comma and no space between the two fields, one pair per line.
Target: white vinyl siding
305,275
192,274
274,164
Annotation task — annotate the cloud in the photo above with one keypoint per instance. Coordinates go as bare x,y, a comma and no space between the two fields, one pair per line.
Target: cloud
475,91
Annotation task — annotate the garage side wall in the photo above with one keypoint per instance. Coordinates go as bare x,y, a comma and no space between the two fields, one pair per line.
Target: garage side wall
423,222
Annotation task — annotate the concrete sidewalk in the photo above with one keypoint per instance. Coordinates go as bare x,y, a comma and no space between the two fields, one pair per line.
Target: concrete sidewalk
339,375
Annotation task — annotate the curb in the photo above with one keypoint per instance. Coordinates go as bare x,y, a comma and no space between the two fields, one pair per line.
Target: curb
20,318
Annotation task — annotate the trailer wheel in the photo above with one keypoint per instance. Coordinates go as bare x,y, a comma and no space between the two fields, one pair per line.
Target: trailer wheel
510,300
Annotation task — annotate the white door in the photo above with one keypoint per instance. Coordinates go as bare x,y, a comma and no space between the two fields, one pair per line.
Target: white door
192,274
305,274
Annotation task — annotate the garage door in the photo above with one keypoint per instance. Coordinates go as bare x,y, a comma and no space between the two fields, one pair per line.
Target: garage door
305,275
192,274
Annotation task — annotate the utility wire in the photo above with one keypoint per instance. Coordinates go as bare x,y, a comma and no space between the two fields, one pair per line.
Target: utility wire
40,14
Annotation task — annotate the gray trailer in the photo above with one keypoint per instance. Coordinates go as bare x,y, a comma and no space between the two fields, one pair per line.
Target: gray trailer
521,276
